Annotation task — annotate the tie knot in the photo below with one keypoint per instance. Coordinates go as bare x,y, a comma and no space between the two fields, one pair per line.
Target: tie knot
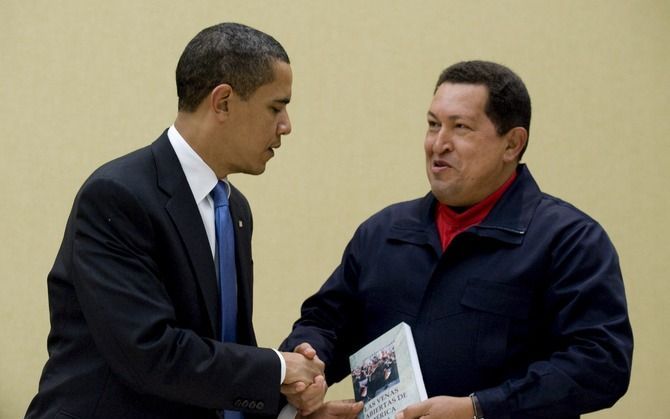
220,194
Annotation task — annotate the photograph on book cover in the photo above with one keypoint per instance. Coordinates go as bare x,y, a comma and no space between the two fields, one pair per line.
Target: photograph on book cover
379,372
386,374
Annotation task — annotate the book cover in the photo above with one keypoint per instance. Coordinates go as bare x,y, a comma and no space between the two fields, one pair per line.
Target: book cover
386,374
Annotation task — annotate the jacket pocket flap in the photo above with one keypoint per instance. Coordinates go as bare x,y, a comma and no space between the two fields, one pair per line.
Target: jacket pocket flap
494,297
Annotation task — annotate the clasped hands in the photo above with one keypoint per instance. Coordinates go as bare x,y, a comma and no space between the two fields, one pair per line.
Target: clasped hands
305,387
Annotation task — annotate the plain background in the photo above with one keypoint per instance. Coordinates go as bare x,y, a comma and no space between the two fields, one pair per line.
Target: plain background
82,82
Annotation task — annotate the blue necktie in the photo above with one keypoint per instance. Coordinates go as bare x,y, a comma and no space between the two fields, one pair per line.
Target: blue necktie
225,255
225,258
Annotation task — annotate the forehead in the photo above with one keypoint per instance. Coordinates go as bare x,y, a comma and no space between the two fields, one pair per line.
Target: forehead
459,99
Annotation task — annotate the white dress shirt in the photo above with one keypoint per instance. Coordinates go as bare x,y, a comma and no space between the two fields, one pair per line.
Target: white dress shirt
202,179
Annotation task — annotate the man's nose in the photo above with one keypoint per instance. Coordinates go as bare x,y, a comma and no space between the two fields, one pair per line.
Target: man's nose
284,126
443,142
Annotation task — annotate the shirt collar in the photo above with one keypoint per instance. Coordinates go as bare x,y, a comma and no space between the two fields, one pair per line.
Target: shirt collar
477,212
200,177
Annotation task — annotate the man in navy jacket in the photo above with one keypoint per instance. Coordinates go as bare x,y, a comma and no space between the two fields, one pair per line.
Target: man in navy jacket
515,298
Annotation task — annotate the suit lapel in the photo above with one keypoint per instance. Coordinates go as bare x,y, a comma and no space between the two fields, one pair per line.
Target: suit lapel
241,215
184,213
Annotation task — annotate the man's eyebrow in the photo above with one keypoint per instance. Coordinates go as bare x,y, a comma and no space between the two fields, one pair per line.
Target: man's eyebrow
285,100
450,117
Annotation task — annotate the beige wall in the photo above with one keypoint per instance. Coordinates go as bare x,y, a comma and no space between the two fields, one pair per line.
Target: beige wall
84,81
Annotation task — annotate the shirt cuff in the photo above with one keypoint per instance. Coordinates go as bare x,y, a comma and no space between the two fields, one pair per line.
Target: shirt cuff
288,412
283,372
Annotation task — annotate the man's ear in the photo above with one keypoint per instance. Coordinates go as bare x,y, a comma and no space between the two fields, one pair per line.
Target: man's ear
516,141
219,99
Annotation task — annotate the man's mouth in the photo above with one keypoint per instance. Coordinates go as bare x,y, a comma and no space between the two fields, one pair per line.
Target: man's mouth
440,165
272,147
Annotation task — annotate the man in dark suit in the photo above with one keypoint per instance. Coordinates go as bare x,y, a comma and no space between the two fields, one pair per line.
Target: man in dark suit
133,295
515,298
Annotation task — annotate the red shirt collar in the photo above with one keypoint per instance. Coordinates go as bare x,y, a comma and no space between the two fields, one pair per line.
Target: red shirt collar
450,223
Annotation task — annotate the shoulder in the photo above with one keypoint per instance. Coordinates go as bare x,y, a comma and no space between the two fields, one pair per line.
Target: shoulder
415,213
238,198
543,208
127,169
143,167
126,181
406,210
568,228
559,212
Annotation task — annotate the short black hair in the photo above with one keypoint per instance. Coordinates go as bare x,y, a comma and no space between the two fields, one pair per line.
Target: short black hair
230,53
508,103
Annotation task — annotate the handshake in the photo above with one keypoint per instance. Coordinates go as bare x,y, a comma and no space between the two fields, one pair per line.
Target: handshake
305,387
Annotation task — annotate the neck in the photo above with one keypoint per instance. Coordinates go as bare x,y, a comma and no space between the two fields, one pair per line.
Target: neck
190,126
194,128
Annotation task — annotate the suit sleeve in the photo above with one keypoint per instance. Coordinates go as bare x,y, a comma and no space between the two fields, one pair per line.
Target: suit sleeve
588,335
128,310
330,319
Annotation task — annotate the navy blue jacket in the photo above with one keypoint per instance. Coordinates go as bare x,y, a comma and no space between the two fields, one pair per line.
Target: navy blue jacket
527,309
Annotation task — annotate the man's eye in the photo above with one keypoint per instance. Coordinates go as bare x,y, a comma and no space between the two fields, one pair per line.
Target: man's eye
433,124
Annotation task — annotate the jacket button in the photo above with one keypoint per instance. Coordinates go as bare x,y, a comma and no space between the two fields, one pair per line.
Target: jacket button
252,404
237,403
260,405
245,404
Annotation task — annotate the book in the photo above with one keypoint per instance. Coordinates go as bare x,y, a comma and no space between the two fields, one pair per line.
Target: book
386,374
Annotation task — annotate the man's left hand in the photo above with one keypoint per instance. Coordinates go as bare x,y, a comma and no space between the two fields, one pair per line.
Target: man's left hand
306,398
440,407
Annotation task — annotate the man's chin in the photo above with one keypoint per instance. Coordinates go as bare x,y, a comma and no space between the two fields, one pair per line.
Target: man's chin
255,171
442,193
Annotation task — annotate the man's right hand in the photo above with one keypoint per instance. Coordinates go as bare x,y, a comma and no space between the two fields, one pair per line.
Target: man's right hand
306,396
300,368
340,409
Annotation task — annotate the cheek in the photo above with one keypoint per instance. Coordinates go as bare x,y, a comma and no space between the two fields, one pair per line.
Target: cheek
274,127
480,167
428,145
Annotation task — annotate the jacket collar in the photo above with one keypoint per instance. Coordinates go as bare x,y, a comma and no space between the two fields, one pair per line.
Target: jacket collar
507,222
509,219
418,226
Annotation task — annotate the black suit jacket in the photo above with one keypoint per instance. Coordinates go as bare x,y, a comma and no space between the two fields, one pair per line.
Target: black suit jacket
134,305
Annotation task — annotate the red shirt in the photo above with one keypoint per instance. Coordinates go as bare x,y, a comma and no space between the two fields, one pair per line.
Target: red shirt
451,223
